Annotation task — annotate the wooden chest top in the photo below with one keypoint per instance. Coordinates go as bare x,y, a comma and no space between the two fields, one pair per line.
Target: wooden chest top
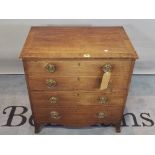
77,42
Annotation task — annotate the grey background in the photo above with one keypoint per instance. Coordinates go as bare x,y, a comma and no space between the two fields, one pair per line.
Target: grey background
13,34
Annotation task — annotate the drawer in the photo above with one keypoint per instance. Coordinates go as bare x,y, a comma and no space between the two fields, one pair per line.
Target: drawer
76,68
79,116
76,83
73,98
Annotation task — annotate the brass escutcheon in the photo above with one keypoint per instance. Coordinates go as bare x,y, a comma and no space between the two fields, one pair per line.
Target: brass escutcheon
55,115
50,68
107,68
51,83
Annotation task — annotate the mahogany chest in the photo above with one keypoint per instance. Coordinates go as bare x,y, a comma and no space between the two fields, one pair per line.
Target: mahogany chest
78,76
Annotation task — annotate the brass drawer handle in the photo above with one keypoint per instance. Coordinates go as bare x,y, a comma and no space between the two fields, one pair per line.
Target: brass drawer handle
50,68
107,68
53,100
55,115
51,83
103,100
100,115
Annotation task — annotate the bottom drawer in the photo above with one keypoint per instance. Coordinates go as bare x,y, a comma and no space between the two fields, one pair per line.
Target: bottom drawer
79,116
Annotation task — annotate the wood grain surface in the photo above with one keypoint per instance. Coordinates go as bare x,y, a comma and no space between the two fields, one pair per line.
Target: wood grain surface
78,83
77,42
78,68
74,98
79,116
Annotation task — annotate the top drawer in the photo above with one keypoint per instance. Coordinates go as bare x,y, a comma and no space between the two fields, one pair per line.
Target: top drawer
76,68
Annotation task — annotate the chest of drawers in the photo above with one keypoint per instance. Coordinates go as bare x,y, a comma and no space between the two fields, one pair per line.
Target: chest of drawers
78,76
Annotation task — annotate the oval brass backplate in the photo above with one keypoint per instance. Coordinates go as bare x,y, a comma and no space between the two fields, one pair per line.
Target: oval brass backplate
103,100
101,115
53,100
107,68
55,115
50,68
51,83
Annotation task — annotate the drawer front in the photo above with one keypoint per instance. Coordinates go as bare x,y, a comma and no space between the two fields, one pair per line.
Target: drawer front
76,83
73,98
79,116
76,68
